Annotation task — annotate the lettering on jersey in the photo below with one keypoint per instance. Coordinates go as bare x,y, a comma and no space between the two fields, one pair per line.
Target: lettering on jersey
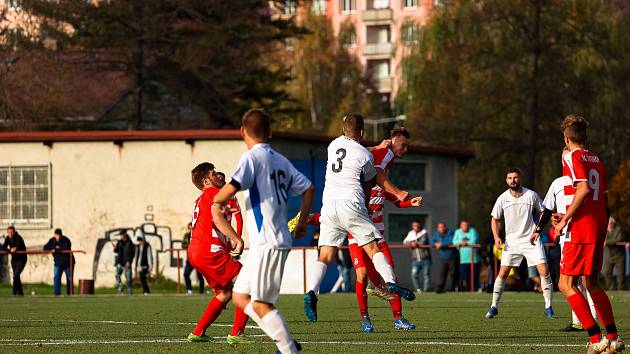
593,182
341,154
590,158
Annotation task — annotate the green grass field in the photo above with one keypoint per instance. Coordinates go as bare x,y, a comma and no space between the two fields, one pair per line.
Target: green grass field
447,323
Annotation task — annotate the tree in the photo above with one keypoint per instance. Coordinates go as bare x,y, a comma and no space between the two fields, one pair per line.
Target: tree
619,194
499,77
176,56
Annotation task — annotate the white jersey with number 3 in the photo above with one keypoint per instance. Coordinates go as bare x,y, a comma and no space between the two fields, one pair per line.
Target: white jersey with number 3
349,164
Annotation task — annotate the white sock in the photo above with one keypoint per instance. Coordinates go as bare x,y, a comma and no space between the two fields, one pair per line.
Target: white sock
317,276
249,311
547,289
276,324
499,285
383,267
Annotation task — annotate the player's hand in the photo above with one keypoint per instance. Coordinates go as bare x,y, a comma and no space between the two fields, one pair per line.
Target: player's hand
300,229
237,247
498,242
534,238
555,218
417,201
384,144
560,226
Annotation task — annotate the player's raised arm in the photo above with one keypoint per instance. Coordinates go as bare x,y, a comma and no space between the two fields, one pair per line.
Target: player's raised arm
220,220
385,183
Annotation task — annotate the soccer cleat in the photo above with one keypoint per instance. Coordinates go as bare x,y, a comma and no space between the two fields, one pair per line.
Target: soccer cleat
403,324
404,293
239,339
549,313
616,346
310,306
198,339
366,325
293,222
599,347
380,292
572,327
492,313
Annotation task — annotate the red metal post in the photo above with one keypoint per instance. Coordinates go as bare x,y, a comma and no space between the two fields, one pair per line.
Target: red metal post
472,269
179,281
71,274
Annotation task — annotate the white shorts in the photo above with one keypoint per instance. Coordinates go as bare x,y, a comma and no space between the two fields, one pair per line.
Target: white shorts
342,217
513,254
261,275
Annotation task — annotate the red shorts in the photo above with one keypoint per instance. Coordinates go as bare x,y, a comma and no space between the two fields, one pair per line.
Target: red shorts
582,258
360,258
218,268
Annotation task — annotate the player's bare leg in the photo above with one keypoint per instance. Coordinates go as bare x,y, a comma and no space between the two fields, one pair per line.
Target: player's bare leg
547,288
212,312
326,256
497,293
385,270
270,321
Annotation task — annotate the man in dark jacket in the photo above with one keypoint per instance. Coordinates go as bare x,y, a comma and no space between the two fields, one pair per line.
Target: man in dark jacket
615,256
59,243
14,243
144,260
441,240
125,251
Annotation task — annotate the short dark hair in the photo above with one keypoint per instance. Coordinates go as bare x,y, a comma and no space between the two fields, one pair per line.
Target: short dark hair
353,123
574,128
257,123
400,131
441,223
200,172
514,170
11,228
416,221
58,232
221,174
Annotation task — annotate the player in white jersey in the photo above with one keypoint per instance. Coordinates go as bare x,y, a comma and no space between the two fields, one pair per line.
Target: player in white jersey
350,174
268,179
517,206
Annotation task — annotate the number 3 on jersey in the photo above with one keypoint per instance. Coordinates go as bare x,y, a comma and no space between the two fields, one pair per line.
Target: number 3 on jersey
593,182
341,154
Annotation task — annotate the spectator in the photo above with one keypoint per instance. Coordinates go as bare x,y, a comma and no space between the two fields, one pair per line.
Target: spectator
144,260
189,268
344,267
15,243
125,251
614,256
463,237
441,240
421,257
58,243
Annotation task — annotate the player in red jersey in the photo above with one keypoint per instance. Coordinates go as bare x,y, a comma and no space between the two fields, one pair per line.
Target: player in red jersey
586,220
211,253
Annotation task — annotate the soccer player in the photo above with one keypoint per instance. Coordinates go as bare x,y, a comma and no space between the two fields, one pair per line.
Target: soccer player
345,211
517,206
268,179
586,220
235,208
210,252
556,201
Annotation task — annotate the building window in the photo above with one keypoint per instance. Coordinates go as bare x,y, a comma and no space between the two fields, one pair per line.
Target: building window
348,36
25,195
319,7
409,33
13,3
398,225
412,175
411,4
288,7
348,5
377,4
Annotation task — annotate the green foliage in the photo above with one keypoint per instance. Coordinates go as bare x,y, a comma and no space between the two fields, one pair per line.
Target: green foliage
498,77
619,194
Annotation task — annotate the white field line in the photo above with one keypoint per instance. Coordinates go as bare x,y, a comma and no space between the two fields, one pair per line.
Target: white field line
38,342
133,323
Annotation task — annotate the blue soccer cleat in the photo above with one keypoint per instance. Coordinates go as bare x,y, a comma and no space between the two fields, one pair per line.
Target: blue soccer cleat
403,325
492,313
366,325
549,313
310,306
404,293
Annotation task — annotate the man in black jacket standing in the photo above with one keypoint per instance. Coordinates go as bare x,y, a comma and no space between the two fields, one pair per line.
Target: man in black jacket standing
59,243
144,260
14,243
125,251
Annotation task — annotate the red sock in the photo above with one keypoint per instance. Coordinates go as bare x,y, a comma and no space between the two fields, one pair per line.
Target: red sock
373,275
359,289
240,320
605,313
579,305
396,305
210,315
